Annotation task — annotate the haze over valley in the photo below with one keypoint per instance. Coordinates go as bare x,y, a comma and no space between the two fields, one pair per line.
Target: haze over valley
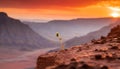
69,28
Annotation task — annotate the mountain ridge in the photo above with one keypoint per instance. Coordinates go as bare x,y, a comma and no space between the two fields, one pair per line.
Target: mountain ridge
15,34
92,35
68,28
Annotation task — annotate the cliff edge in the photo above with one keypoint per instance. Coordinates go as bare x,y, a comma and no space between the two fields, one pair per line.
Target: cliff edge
103,53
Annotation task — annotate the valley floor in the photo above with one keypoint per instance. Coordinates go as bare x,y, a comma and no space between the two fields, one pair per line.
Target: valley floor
19,59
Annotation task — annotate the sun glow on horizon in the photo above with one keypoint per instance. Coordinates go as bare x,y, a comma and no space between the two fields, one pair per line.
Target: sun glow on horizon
115,14
115,11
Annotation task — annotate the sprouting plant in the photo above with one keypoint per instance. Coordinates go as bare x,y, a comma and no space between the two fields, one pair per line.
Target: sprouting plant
60,40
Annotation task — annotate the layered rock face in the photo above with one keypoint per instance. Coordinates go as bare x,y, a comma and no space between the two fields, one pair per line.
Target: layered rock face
16,35
44,62
115,32
103,53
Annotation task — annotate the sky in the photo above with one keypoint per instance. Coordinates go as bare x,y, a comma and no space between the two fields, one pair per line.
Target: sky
60,9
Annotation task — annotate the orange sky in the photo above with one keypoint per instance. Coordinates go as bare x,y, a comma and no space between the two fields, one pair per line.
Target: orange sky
59,9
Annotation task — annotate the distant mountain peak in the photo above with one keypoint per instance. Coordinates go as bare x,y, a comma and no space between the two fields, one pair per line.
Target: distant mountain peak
16,35
3,16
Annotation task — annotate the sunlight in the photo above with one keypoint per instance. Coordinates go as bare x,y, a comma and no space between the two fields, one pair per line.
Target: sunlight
115,14
115,11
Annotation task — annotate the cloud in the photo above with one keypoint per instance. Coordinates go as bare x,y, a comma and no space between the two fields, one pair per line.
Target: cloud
112,3
56,4
46,3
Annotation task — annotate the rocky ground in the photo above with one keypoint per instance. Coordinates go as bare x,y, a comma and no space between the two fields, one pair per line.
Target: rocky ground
103,53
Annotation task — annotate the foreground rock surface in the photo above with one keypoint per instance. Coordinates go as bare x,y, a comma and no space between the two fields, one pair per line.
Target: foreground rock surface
103,53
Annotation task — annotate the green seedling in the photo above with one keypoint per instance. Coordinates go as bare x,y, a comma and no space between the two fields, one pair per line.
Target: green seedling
60,40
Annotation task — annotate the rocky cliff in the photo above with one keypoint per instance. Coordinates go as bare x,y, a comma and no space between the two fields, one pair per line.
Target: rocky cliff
103,53
92,35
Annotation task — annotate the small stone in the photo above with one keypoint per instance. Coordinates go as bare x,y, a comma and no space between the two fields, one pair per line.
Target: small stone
98,57
104,67
82,62
114,47
73,59
86,66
